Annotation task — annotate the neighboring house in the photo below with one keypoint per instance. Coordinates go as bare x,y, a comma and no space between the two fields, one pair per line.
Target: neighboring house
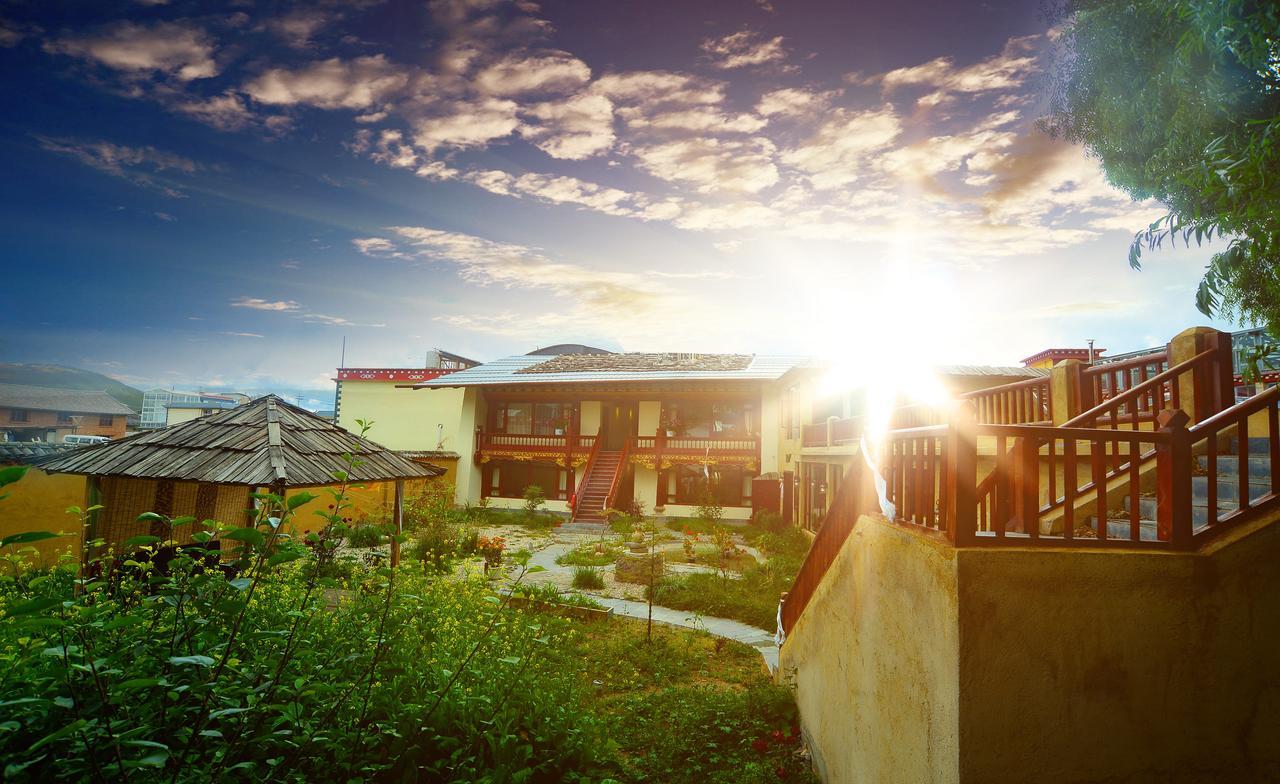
427,424
177,413
156,402
590,427
30,413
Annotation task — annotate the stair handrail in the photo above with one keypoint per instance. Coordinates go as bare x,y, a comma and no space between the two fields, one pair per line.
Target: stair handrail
988,406
617,472
1131,395
586,470
1209,431
841,515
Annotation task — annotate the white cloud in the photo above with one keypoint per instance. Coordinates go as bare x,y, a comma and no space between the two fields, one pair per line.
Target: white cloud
226,112
792,101
701,119
554,72
175,49
298,27
572,129
1005,71
743,48
330,84
711,164
467,124
836,154
654,88
257,303
138,165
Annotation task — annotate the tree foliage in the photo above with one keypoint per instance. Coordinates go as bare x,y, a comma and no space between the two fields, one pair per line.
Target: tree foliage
1180,100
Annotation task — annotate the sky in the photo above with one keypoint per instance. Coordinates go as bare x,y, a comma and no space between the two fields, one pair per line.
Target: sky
216,194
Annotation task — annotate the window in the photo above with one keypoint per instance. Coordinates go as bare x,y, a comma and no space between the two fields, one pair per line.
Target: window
540,419
509,478
727,484
106,420
17,415
64,418
707,420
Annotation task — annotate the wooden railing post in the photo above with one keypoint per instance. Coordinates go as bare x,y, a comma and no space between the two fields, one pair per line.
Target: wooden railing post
1026,492
1206,392
1173,480
962,476
1067,389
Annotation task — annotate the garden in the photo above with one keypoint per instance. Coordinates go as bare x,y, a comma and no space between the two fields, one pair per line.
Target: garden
308,658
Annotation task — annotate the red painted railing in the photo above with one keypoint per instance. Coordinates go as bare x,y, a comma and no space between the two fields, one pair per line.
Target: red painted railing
1141,401
586,471
696,445
617,474
1109,379
814,435
1022,402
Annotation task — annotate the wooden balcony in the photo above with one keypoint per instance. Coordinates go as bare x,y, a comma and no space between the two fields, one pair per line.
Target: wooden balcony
694,446
568,450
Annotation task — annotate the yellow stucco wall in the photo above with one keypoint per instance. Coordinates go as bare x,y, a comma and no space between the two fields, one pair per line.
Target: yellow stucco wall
425,419
874,661
176,416
370,502
589,417
650,411
38,502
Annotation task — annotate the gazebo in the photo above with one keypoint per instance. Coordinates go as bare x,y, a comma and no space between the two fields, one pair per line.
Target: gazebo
209,467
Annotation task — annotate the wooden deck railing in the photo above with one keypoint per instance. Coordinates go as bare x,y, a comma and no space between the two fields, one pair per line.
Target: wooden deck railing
1141,401
1110,379
1213,434
1022,402
696,445
617,474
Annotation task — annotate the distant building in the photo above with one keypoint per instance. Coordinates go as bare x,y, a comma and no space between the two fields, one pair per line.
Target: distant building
176,413
156,402
29,413
1052,356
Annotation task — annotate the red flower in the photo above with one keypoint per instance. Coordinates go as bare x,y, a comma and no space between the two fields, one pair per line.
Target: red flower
781,771
778,737
761,745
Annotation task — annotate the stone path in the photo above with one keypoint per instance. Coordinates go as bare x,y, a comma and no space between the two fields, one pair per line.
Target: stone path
759,639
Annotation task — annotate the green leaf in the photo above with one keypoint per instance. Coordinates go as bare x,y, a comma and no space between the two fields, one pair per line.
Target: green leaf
197,661
38,604
150,517
226,712
249,535
28,536
285,556
11,474
141,683
141,541
74,726
299,499
240,583
535,569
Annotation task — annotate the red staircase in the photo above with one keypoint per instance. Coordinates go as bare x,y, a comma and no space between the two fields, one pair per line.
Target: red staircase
597,487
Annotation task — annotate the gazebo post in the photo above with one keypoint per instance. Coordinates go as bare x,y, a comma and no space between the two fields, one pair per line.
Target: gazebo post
399,516
92,497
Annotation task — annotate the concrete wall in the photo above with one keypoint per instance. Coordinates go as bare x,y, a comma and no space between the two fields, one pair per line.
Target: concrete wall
647,416
874,661
771,425
589,417
918,662
471,413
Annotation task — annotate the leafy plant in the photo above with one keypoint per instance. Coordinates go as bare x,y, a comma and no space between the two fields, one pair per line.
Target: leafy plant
534,498
365,535
587,577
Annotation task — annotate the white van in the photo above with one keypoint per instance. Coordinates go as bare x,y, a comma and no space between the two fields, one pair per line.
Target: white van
71,438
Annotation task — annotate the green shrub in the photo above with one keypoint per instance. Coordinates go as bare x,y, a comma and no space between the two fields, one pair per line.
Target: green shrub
534,498
587,577
586,555
769,521
365,535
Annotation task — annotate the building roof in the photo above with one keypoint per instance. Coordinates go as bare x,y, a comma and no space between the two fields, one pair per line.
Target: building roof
992,370
12,452
74,401
566,348
597,368
455,357
262,443
1057,354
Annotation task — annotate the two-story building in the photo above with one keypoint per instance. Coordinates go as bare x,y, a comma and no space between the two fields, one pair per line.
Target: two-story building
598,430
31,413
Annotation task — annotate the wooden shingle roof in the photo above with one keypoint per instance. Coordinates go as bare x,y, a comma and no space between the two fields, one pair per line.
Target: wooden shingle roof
73,401
262,443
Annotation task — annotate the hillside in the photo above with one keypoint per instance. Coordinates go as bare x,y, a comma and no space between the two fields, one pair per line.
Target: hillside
62,377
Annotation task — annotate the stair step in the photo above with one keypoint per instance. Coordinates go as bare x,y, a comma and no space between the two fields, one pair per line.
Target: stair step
1228,491
1257,445
1229,465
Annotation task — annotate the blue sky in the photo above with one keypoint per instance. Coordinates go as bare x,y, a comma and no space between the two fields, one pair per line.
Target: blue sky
217,193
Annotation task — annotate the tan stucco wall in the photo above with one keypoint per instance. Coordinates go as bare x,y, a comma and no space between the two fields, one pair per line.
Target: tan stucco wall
874,661
645,487
176,416
917,662
471,414
38,502
1122,666
770,429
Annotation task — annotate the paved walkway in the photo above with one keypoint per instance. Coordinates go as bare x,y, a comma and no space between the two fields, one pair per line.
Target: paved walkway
759,639
720,627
